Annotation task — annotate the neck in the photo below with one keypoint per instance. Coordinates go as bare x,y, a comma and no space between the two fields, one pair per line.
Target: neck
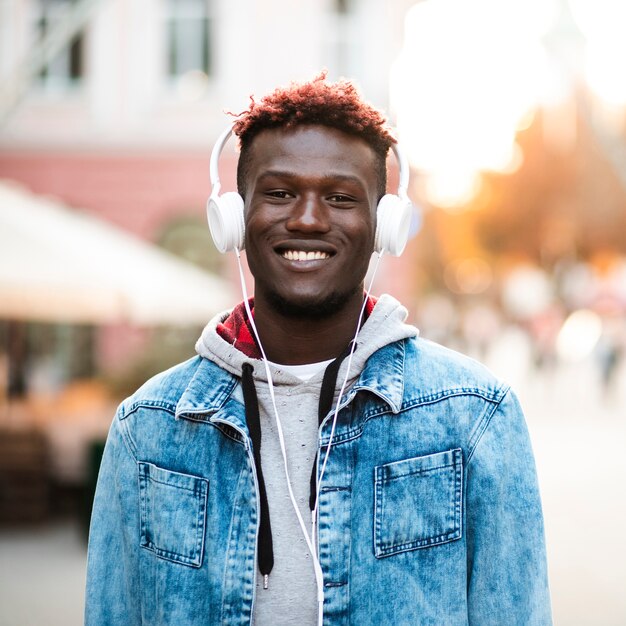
295,340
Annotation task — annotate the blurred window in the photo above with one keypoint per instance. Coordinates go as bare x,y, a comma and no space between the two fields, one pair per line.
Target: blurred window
189,36
66,69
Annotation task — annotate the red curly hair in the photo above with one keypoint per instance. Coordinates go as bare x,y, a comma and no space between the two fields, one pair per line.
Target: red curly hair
337,105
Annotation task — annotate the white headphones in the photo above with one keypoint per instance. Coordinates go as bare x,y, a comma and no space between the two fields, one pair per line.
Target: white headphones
226,222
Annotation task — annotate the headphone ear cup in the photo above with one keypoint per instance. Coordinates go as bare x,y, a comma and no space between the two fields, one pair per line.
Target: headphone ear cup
393,220
225,217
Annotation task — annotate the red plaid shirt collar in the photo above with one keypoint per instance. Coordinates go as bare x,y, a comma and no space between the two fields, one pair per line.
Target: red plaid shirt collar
237,331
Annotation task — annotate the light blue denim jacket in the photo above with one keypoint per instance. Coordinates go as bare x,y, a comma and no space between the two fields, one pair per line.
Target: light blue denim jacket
429,508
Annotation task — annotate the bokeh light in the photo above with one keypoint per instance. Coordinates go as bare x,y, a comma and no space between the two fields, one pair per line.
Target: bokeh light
579,335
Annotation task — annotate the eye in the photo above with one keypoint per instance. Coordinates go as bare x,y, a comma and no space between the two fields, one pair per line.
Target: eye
340,198
279,194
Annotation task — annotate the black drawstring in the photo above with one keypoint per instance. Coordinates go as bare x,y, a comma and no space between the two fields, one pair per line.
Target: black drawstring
327,395
265,552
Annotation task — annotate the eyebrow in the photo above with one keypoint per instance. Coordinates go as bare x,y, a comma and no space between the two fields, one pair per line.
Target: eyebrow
324,177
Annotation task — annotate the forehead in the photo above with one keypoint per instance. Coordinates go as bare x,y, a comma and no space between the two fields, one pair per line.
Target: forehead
312,151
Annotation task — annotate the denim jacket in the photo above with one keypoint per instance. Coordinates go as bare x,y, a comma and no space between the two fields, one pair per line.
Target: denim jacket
429,508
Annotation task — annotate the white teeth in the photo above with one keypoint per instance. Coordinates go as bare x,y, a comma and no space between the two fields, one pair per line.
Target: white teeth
301,255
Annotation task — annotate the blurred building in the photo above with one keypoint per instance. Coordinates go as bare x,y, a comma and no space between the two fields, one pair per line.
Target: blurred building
113,105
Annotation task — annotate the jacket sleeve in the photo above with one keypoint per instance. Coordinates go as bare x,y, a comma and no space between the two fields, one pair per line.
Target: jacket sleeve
112,593
507,571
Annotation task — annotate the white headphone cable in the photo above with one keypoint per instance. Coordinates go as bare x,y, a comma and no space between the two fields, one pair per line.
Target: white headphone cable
319,578
341,392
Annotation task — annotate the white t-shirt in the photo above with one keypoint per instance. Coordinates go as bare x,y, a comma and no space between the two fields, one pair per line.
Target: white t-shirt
303,372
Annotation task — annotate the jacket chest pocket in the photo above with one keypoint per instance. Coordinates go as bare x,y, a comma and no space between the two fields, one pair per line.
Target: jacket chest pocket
418,502
172,514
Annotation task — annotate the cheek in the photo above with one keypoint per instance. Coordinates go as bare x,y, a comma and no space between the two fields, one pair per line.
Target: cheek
260,219
255,224
362,234
362,247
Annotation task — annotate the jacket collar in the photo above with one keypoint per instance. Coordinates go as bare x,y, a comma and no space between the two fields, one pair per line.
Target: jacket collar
383,375
207,394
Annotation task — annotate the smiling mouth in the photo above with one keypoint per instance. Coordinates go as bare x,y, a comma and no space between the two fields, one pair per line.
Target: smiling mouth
302,255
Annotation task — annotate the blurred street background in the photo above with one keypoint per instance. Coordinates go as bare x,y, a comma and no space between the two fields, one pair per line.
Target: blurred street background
513,114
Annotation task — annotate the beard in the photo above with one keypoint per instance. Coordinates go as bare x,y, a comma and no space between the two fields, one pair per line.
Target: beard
330,305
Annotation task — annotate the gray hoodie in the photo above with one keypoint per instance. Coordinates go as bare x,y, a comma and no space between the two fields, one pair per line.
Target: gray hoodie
291,595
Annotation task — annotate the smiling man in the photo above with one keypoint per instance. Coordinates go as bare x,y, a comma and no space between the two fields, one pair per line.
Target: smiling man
317,460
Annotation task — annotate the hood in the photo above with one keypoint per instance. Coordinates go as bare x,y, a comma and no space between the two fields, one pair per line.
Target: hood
385,325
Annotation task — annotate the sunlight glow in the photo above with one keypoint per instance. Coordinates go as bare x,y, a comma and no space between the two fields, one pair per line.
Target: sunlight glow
468,77
602,23
605,70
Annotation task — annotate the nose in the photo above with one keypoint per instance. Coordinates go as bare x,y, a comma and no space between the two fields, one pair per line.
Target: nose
309,215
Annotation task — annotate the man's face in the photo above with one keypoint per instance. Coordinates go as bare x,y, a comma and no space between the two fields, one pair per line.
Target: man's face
310,217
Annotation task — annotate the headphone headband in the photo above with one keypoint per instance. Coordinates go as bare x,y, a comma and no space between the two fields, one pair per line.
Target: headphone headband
214,175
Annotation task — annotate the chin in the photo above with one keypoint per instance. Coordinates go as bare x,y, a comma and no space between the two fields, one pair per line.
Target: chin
311,307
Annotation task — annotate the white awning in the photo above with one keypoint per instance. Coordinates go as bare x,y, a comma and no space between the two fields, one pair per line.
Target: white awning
62,265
